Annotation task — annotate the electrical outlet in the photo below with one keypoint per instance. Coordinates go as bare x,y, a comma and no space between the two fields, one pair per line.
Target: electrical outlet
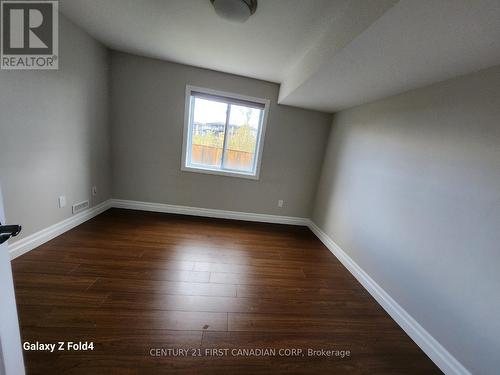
62,201
94,191
280,203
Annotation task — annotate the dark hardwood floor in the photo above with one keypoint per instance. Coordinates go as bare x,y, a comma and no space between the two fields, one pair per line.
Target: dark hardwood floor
132,281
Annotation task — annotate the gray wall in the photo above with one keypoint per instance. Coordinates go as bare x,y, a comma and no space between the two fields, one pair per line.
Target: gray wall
148,119
54,133
410,189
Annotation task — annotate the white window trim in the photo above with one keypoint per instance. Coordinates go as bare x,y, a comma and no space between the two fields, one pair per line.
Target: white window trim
260,139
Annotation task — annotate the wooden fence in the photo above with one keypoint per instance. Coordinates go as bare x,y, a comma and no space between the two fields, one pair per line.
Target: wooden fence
209,155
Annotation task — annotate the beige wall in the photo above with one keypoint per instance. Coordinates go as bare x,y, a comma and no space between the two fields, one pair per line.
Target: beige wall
410,189
54,133
148,118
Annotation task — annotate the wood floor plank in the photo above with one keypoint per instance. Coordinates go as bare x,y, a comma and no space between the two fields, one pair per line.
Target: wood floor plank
269,280
292,271
131,319
32,266
134,281
164,287
42,281
145,301
28,296
163,265
352,292
127,271
308,323
208,254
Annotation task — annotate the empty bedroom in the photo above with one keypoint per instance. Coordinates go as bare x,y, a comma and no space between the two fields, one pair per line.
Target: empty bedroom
249,187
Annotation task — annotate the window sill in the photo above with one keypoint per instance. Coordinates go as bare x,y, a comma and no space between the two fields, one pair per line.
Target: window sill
221,173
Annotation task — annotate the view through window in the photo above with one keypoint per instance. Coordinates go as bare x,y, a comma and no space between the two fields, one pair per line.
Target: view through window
224,134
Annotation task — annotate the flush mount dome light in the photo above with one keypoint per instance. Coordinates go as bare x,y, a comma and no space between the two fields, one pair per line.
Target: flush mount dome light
235,10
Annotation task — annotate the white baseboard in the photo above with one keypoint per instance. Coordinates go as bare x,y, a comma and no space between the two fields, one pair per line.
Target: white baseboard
208,212
36,239
28,243
436,352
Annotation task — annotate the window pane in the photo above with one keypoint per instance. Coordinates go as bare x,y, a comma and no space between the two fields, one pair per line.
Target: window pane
207,132
242,133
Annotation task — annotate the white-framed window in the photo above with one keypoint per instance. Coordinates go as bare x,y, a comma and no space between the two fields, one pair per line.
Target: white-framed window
223,133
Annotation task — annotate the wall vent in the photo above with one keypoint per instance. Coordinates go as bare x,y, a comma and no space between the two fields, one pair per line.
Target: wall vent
80,206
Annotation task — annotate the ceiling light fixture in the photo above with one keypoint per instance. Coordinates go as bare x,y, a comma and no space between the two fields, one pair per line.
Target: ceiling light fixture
235,10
